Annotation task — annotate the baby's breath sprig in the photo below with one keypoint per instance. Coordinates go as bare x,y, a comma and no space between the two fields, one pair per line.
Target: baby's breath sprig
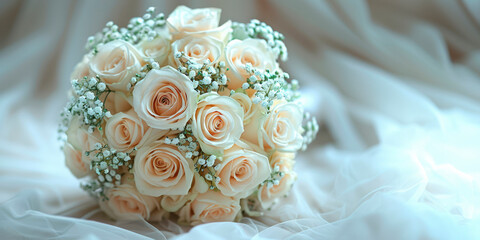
270,86
275,177
86,102
94,188
310,128
109,165
206,77
150,65
206,165
139,28
251,206
260,30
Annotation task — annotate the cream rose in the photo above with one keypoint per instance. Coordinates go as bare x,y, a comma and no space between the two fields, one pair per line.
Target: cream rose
126,203
283,162
117,102
210,207
116,63
74,161
249,108
241,171
82,69
281,129
157,49
161,169
173,203
198,49
217,123
80,138
124,131
240,52
165,99
198,22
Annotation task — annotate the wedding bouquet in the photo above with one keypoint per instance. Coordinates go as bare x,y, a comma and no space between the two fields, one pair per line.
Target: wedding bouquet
183,117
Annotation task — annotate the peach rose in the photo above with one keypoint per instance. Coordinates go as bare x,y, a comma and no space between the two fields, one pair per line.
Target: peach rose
249,108
157,49
210,207
198,22
217,123
165,99
124,131
74,161
82,69
269,194
280,130
240,52
117,102
161,169
126,203
80,138
198,49
116,63
241,171
173,203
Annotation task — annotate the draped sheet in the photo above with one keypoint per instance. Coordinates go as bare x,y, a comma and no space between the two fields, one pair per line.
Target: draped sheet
394,84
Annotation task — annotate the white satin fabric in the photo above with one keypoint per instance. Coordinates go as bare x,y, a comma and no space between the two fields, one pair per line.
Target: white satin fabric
395,85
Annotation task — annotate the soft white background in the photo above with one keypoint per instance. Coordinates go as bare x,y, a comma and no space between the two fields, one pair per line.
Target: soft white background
395,85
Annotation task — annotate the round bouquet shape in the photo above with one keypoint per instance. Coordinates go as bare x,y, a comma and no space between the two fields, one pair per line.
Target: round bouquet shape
183,116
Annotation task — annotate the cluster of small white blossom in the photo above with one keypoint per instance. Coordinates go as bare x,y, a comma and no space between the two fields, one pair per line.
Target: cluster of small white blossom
109,165
275,177
138,29
150,65
310,128
257,29
86,102
205,77
207,166
270,86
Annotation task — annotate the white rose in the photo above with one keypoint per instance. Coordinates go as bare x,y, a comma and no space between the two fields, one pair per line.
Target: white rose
74,161
198,22
241,171
217,123
165,99
116,63
269,194
210,207
126,203
124,131
240,52
161,169
198,49
281,129
157,49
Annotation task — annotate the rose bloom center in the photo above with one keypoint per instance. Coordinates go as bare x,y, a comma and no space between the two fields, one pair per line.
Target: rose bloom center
117,62
243,171
128,205
164,102
163,166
